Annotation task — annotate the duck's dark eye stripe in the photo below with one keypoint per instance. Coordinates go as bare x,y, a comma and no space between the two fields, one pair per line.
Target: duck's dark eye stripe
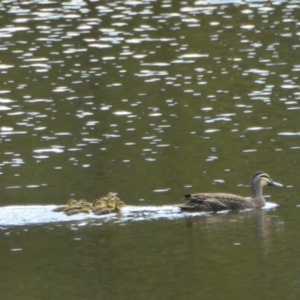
264,176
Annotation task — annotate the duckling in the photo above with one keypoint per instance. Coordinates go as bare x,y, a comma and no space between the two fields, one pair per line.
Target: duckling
110,207
70,204
111,203
99,204
84,208
119,205
78,206
111,195
102,202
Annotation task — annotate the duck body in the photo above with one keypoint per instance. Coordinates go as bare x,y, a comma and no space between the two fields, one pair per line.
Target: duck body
109,208
103,211
99,204
76,207
73,211
83,208
216,202
223,201
71,204
111,203
107,205
119,205
77,211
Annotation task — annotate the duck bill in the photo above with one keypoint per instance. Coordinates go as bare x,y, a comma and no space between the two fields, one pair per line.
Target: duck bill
276,184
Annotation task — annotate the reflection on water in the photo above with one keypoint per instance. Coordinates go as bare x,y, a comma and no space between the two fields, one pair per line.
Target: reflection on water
143,260
153,100
263,224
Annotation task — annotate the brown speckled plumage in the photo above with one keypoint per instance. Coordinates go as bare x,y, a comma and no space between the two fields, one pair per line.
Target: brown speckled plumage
222,201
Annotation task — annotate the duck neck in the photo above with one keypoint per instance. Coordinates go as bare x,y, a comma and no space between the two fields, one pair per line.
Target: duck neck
258,193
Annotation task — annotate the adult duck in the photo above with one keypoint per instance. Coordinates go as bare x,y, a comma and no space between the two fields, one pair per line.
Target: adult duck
223,201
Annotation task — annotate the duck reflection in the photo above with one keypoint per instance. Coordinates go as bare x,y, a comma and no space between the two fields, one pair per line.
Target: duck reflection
238,226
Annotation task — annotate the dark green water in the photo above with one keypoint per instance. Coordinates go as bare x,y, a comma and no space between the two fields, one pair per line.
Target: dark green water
153,100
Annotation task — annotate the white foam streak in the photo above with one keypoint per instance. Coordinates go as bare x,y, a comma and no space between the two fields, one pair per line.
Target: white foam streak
42,214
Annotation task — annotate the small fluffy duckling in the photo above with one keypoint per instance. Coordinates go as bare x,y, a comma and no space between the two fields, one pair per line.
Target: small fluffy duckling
111,203
113,196
119,205
78,206
99,204
102,202
84,208
110,207
72,203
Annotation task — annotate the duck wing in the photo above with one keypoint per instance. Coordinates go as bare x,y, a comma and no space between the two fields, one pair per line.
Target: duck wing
214,202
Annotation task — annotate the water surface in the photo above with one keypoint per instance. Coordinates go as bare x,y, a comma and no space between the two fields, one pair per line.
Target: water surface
153,100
